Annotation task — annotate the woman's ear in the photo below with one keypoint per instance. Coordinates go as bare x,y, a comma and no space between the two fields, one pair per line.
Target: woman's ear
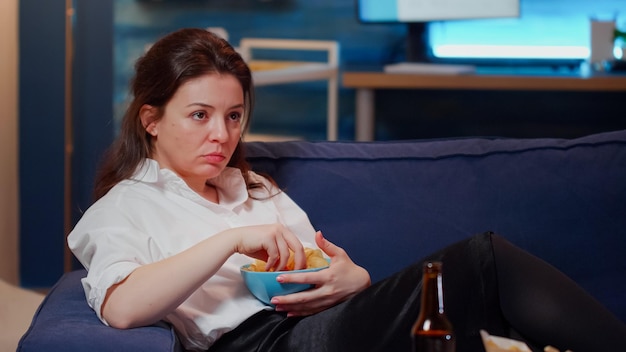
147,114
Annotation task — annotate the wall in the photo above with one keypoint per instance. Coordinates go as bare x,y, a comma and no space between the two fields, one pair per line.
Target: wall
42,125
8,142
41,141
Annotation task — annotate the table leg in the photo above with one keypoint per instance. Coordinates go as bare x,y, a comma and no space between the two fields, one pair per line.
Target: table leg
364,119
332,123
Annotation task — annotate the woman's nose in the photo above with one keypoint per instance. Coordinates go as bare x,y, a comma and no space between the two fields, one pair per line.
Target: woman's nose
217,130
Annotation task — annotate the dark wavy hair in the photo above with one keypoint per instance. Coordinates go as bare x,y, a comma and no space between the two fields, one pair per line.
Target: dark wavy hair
173,60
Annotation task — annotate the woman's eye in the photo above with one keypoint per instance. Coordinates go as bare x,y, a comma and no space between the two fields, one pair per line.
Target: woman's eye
235,116
199,115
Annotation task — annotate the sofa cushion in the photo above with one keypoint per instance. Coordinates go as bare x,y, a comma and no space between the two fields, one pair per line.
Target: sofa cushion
64,322
390,203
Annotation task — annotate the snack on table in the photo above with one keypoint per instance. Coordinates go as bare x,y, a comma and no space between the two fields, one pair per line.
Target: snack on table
502,344
553,349
314,259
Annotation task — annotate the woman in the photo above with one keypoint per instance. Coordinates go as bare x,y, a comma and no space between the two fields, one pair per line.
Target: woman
178,211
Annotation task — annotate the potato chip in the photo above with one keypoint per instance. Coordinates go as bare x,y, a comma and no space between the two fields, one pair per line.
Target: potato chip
314,259
316,262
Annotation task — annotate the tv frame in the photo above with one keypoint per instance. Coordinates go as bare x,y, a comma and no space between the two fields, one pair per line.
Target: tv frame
397,19
418,48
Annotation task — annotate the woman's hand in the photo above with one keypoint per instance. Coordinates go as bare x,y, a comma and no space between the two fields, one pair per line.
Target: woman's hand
342,280
271,243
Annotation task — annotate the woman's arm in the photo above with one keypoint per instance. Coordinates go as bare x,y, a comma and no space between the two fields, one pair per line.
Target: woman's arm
151,291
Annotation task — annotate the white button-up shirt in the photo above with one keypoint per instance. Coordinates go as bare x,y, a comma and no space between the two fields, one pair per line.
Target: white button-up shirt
155,215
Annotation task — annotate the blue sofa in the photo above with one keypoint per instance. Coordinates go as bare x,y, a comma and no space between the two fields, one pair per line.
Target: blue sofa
391,203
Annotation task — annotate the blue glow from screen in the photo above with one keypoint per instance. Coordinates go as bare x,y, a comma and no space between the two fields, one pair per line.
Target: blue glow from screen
378,11
553,29
545,30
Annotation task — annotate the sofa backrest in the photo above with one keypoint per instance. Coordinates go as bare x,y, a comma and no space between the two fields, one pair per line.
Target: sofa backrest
391,203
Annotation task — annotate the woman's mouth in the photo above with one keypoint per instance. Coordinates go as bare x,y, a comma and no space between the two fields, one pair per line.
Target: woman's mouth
214,157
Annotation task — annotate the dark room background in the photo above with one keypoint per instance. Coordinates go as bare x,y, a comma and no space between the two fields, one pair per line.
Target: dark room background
108,35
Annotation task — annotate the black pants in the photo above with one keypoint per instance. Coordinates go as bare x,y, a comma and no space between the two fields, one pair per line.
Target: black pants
488,284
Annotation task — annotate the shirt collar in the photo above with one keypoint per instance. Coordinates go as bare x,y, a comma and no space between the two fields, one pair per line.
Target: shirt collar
230,184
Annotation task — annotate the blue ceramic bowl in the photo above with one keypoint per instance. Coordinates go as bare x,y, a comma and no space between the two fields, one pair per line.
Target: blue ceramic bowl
263,285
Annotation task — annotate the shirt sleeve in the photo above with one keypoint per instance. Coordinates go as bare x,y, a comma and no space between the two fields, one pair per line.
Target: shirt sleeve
110,248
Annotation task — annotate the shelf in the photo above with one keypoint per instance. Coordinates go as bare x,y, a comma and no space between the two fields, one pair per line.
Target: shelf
272,72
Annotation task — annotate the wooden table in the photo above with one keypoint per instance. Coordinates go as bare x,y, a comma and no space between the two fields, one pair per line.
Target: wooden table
366,83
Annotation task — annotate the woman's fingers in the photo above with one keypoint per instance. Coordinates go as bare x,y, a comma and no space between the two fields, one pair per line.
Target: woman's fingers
272,243
273,254
279,247
298,251
283,249
328,247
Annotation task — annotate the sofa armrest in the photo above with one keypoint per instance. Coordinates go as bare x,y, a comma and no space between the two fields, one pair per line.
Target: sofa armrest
64,322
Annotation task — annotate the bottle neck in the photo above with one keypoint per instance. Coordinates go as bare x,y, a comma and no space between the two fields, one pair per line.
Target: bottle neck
432,292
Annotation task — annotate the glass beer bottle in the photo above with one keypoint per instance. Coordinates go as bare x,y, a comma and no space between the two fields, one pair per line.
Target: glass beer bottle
432,331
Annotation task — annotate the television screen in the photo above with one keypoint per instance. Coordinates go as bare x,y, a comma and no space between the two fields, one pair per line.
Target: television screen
373,11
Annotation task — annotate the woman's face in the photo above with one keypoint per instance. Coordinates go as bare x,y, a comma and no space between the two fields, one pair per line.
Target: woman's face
200,127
